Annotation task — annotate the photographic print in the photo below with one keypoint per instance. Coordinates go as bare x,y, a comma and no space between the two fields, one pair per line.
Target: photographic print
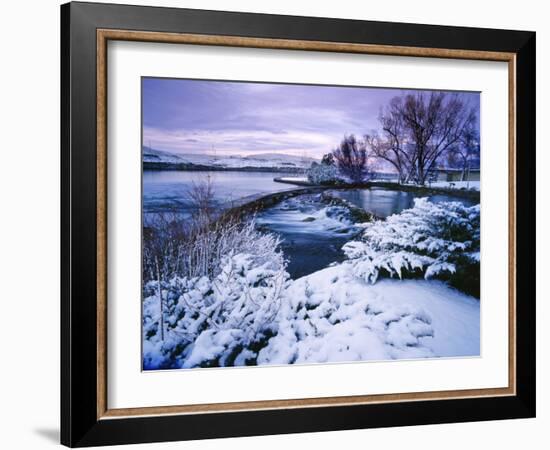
301,224
300,205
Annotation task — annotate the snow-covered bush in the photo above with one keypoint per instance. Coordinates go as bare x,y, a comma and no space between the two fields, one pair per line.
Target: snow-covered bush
329,316
433,240
220,320
185,247
323,174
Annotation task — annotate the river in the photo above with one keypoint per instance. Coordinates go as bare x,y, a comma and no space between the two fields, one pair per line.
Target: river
165,190
312,232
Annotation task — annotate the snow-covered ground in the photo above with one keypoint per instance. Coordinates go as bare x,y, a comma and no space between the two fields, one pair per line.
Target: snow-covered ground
158,156
365,307
332,316
293,179
266,160
473,185
329,316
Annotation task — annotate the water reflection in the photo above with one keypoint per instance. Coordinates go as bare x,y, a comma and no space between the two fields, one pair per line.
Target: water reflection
385,202
168,190
313,237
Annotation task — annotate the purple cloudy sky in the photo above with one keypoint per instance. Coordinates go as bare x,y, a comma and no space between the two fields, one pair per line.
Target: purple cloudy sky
194,116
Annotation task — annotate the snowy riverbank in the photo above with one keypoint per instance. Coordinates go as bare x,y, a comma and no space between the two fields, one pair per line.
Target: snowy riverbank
329,316
332,316
388,296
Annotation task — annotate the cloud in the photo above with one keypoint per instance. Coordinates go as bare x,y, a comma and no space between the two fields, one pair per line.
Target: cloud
192,116
240,142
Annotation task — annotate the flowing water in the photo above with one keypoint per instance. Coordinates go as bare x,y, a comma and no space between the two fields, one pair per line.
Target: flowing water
312,230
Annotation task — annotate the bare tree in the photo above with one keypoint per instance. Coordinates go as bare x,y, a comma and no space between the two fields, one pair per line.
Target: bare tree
466,152
201,199
352,159
417,129
392,146
328,159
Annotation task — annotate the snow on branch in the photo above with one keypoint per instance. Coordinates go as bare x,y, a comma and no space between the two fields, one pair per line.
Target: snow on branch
430,240
213,321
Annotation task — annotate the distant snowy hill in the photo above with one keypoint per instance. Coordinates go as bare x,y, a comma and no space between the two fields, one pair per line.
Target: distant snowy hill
157,159
157,156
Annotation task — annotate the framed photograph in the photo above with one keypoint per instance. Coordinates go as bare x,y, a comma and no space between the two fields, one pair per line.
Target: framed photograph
277,224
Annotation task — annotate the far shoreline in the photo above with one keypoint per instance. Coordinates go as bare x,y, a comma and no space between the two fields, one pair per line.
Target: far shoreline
189,167
429,190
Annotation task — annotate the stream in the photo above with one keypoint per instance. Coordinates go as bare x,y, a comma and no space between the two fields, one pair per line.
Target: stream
313,231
